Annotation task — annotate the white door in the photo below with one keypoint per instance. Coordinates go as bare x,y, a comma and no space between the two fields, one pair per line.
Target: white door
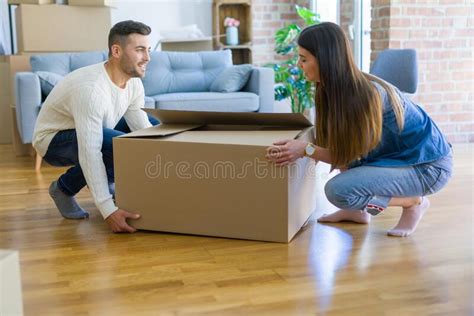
360,33
359,29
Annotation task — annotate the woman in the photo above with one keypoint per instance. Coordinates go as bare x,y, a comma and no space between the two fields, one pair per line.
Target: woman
389,150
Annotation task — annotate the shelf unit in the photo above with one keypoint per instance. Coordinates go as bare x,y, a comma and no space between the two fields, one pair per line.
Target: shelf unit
186,44
240,10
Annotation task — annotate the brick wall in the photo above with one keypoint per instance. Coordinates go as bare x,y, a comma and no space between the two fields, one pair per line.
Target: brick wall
268,16
442,32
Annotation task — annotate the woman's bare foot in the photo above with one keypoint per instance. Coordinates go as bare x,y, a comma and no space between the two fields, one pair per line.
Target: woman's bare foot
410,218
355,216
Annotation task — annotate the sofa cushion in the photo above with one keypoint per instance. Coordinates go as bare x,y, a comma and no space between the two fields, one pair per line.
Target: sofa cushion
149,102
79,60
54,62
208,101
232,79
172,72
48,80
64,63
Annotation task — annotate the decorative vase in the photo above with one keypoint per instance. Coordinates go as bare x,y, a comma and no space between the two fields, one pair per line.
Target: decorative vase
232,35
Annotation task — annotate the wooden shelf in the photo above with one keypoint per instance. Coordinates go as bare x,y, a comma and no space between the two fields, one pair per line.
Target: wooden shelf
240,10
241,46
186,44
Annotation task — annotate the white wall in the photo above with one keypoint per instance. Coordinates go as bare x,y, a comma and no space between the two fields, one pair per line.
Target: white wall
165,14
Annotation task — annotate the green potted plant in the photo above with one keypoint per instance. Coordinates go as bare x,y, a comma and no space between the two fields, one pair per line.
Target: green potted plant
289,78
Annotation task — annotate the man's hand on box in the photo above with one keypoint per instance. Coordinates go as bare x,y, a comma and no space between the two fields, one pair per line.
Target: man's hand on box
117,221
286,151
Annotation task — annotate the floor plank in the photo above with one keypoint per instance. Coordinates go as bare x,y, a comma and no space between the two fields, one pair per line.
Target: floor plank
79,267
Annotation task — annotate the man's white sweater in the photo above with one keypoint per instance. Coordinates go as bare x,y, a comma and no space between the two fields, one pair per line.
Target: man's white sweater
87,100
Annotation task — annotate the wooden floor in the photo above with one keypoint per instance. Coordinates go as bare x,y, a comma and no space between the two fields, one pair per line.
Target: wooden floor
79,267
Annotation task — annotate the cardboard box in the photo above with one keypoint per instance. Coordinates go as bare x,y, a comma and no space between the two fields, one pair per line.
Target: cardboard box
98,3
9,66
31,1
205,173
10,286
62,28
5,123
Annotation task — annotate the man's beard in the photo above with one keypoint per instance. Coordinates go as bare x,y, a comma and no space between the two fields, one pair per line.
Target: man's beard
129,68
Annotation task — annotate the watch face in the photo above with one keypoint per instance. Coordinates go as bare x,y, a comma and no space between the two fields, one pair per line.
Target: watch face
310,150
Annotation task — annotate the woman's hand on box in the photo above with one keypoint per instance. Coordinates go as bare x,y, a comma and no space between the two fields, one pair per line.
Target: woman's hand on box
284,152
117,221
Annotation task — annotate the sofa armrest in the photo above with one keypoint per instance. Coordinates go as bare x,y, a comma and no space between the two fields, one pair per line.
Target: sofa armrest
262,82
27,102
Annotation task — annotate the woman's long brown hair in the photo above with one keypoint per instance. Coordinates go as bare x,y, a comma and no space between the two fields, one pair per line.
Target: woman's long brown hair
348,106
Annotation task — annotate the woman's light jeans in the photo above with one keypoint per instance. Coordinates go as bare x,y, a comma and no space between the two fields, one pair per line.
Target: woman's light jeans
371,188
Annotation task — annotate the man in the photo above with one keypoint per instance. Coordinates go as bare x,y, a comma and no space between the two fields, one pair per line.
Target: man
84,112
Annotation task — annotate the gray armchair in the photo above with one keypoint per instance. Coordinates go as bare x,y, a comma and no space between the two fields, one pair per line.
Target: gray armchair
174,80
398,67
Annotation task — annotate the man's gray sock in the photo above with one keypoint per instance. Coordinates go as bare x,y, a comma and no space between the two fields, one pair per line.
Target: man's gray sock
67,205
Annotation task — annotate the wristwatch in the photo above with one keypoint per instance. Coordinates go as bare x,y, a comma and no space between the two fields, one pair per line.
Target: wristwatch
309,150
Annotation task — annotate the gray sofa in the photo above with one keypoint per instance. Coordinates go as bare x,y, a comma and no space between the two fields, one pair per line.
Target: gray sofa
174,80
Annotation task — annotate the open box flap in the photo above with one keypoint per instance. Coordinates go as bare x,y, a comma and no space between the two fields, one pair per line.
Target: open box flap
162,130
250,138
229,118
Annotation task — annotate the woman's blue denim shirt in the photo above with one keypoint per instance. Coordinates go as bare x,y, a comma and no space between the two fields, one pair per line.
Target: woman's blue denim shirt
419,142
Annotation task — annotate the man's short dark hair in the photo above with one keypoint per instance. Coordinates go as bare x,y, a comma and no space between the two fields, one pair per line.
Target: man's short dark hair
119,32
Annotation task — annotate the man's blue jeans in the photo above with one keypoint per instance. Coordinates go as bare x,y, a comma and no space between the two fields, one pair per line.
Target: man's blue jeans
63,151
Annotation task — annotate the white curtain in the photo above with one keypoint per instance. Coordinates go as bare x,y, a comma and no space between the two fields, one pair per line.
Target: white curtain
5,46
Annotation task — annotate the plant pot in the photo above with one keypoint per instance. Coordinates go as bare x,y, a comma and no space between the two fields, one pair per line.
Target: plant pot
232,35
